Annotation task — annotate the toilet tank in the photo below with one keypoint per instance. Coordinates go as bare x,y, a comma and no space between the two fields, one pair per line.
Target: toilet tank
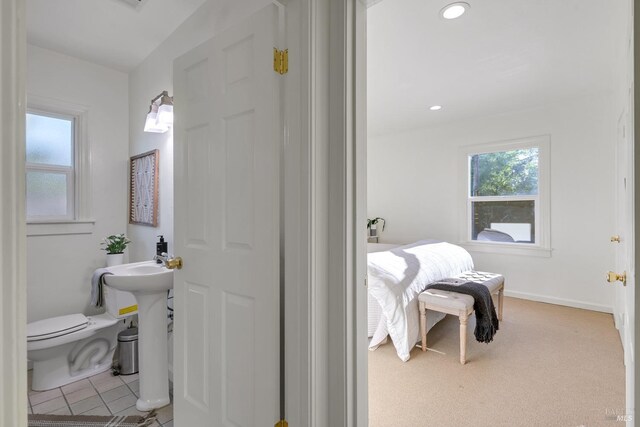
119,304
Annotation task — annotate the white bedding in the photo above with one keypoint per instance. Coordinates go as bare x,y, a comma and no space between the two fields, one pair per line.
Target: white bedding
396,278
374,310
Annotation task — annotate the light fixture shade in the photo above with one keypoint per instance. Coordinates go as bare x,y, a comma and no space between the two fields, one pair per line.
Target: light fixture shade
165,114
151,123
160,116
165,109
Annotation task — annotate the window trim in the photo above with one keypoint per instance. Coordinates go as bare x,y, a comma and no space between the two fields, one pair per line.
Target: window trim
82,222
542,247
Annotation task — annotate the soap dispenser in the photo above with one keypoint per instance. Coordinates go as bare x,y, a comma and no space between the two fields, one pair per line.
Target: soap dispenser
161,246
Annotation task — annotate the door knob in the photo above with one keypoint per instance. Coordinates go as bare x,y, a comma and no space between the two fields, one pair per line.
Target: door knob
174,263
614,277
615,239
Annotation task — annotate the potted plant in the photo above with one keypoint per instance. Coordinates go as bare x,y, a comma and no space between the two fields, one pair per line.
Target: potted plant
115,246
372,226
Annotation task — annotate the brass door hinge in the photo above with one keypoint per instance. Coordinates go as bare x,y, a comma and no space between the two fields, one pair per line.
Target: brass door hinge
280,61
282,423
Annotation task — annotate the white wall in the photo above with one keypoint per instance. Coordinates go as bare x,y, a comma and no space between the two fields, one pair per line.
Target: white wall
151,77
413,182
59,268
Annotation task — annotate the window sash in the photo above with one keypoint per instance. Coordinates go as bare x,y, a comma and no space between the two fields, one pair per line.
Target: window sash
74,131
501,198
471,155
536,217
70,182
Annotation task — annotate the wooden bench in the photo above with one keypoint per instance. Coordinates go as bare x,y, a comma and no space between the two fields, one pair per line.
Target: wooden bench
460,305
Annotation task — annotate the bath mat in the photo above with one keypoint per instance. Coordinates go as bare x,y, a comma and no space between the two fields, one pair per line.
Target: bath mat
89,421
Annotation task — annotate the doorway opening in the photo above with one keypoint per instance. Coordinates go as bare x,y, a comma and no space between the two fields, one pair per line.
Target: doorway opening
444,92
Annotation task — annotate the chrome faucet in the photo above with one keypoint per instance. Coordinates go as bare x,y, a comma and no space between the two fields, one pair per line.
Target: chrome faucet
169,261
163,257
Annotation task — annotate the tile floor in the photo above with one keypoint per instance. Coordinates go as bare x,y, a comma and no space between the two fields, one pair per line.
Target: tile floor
102,394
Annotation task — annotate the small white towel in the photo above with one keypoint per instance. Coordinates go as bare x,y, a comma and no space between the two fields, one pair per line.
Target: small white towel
97,280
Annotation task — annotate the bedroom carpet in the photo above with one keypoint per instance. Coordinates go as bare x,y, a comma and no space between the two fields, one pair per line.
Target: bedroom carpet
547,366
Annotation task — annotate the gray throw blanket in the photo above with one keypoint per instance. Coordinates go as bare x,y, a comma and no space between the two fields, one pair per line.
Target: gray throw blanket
486,318
97,281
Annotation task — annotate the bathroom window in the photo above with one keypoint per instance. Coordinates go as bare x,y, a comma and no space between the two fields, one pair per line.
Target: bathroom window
56,170
51,141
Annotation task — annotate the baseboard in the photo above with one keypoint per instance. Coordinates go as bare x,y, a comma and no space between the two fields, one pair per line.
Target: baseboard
617,322
559,301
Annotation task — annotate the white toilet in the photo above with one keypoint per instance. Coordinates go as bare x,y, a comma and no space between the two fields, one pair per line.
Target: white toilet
69,348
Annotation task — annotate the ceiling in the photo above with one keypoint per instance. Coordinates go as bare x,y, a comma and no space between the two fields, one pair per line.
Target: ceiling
107,32
502,55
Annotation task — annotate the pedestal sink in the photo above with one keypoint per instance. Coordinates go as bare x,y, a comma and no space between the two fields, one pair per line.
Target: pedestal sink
148,282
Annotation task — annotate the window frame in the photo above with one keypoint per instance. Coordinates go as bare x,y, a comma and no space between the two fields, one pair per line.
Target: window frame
542,245
78,219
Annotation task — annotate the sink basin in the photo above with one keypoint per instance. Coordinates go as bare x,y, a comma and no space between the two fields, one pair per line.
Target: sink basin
143,277
148,281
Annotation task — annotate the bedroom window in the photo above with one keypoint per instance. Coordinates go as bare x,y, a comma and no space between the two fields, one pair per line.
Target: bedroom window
505,194
57,169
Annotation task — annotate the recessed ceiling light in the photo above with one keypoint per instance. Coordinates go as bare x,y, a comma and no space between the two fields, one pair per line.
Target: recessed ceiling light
454,10
435,107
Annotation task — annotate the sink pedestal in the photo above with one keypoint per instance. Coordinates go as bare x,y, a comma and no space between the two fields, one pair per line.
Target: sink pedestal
152,350
149,283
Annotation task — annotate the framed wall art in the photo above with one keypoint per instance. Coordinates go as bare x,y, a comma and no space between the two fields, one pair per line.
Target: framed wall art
143,189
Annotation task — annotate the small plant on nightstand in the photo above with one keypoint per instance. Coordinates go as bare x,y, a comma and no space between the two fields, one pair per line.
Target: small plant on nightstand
372,226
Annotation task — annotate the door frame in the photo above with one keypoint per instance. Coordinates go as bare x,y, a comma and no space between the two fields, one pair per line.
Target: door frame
636,179
13,295
337,200
327,359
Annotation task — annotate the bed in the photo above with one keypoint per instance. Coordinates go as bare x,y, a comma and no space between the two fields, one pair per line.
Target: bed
397,275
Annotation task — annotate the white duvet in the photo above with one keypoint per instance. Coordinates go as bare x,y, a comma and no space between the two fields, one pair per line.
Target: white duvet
398,276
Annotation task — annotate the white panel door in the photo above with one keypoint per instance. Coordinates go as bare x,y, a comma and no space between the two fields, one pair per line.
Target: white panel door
624,309
227,137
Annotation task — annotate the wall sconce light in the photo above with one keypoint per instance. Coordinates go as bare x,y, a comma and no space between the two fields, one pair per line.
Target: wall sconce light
160,115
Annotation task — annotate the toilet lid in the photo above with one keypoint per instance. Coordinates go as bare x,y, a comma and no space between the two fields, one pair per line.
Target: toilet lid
56,326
